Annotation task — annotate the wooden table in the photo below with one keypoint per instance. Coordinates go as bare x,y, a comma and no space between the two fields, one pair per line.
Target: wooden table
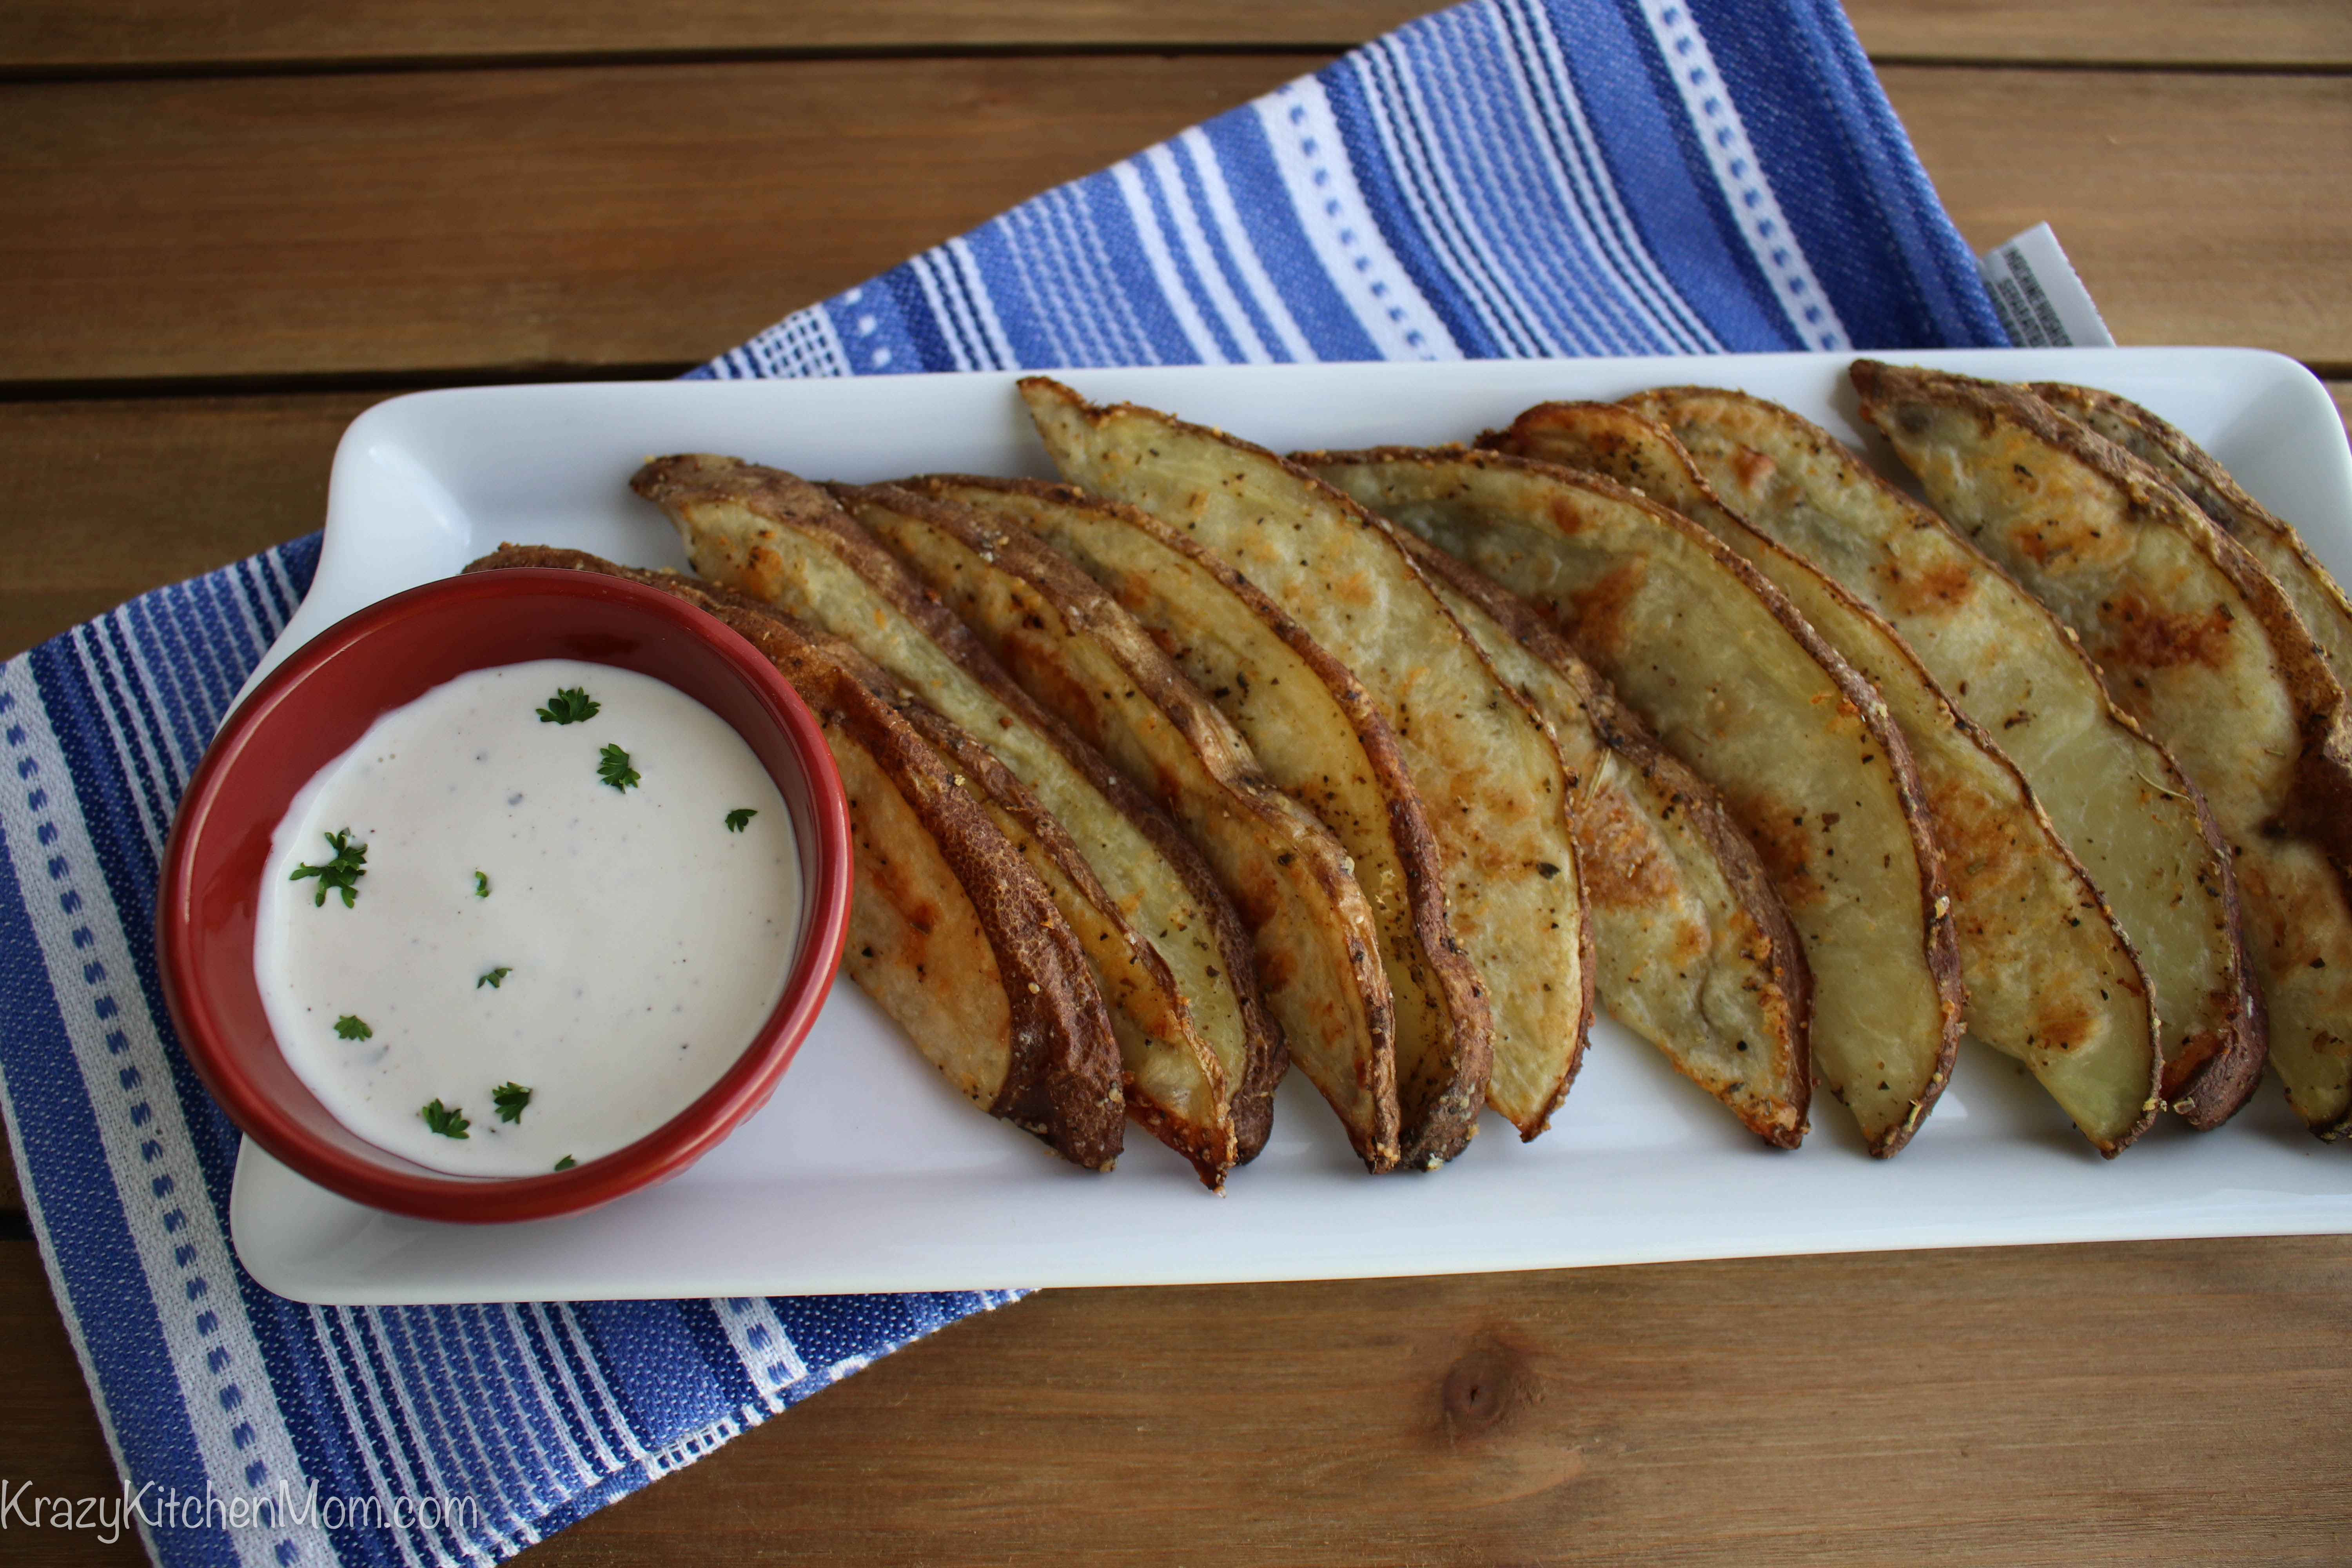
231,228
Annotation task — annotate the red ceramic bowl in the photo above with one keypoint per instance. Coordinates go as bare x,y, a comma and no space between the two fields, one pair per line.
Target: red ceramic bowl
315,705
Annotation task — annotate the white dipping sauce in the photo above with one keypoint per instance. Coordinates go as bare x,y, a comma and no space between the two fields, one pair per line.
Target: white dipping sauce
636,941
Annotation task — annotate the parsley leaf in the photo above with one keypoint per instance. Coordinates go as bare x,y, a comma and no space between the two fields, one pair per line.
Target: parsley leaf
493,978
740,818
339,875
447,1120
509,1098
349,1026
573,705
614,770
481,885
566,1162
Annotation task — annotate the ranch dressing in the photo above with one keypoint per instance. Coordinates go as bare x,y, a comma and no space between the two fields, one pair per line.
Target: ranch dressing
549,934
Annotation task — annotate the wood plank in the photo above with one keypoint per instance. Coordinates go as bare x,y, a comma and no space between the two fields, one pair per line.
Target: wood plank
2141,1404
50,1443
111,35
512,220
108,500
503,222
100,36
1687,1413
2199,209
2200,33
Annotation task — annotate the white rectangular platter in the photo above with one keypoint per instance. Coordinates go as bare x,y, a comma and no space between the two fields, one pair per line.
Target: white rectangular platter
867,1172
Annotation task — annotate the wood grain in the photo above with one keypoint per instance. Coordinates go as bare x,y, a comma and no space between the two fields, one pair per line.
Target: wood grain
505,222
113,35
2205,34
2199,209
2011,1407
50,1443
2020,1407
110,499
520,219
100,35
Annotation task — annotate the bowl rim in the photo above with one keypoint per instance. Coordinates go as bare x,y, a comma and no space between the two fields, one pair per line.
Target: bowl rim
406,1188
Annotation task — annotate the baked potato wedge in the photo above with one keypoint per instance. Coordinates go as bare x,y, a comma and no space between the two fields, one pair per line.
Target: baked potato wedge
1692,948
1072,648
1175,962
1313,728
2051,983
1800,747
949,931
2318,598
2117,797
2200,645
1484,762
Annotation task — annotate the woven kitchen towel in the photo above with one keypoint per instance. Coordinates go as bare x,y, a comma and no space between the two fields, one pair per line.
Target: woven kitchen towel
1511,177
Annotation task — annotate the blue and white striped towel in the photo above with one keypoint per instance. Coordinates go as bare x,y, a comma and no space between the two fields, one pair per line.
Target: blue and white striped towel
1508,178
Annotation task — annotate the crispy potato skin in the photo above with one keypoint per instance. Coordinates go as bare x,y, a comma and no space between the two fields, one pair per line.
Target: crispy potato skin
2318,598
2052,981
1314,727
1732,678
1083,658
2117,797
1517,900
1180,969
1692,947
2323,809
949,931
2202,645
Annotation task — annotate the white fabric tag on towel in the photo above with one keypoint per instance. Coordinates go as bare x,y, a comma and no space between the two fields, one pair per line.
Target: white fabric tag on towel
2038,296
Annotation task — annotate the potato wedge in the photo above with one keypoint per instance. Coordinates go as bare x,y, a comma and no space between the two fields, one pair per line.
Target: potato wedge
2200,645
1737,685
2051,983
1692,948
2117,797
1072,648
1313,728
949,930
2318,598
1177,968
1483,760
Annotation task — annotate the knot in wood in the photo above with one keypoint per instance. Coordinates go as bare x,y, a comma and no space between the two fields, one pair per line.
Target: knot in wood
1479,1389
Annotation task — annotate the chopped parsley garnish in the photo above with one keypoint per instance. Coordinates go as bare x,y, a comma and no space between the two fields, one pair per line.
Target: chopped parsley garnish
573,705
566,1162
481,885
447,1121
339,875
349,1026
509,1098
493,978
740,818
614,770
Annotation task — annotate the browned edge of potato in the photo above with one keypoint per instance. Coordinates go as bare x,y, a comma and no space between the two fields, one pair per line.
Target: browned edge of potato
1173,957
2200,644
1692,948
1071,647
1313,728
2271,539
1485,762
2118,798
950,931
2052,981
1737,685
